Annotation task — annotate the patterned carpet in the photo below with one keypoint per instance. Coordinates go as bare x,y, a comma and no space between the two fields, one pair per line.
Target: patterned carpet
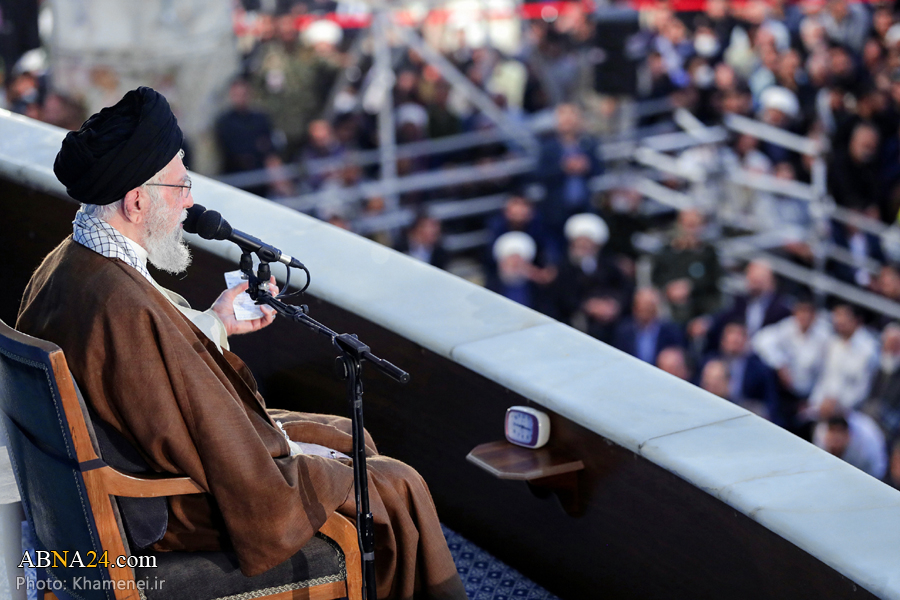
486,578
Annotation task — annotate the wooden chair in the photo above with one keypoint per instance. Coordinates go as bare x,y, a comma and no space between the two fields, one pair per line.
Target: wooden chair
68,496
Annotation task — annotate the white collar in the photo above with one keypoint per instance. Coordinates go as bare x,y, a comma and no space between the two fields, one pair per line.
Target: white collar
139,251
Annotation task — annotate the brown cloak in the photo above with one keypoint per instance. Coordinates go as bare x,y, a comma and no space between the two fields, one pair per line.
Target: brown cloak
148,371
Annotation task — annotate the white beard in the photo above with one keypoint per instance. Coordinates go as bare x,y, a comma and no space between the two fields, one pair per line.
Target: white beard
166,250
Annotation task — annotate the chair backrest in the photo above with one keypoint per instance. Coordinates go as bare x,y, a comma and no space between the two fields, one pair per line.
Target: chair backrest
38,399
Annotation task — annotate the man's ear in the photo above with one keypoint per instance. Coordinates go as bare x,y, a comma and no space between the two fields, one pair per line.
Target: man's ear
136,205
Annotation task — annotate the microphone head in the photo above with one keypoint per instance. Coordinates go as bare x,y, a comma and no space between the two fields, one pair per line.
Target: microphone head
211,226
193,215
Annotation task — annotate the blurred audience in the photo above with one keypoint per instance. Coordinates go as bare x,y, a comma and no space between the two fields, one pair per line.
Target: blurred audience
751,383
829,71
567,163
644,334
854,438
795,349
851,358
516,276
245,139
591,292
883,403
759,306
423,241
673,360
688,271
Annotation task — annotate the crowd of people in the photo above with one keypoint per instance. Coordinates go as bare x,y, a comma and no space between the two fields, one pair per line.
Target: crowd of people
828,70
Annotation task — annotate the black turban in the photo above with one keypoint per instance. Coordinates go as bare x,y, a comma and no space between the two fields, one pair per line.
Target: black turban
119,148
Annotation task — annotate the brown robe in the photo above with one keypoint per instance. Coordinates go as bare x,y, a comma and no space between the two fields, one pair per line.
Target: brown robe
148,371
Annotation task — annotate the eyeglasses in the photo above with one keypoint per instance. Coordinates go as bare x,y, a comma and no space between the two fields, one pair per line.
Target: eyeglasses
185,189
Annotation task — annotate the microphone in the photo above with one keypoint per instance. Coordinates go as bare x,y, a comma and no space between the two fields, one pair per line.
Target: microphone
210,225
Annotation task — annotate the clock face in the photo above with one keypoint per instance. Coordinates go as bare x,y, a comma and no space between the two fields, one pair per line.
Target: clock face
520,428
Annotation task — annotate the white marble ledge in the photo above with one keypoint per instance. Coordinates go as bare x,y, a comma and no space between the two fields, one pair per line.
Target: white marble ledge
837,513
27,151
824,506
601,388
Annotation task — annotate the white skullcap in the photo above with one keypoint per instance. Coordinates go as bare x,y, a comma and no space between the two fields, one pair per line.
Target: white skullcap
410,112
892,35
323,31
33,61
587,225
780,99
515,243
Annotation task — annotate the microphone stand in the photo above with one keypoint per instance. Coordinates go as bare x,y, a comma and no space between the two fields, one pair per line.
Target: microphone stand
348,366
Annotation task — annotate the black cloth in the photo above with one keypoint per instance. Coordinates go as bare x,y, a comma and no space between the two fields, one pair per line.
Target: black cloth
854,184
573,287
245,140
119,148
216,575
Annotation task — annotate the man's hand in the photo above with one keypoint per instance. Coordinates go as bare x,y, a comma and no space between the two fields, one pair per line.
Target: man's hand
224,308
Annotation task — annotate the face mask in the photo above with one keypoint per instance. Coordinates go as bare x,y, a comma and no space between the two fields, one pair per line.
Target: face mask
706,45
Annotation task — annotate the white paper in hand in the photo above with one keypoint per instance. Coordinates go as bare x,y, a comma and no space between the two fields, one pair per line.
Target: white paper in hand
244,308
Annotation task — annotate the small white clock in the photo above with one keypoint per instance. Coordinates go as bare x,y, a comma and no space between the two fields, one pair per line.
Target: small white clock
527,427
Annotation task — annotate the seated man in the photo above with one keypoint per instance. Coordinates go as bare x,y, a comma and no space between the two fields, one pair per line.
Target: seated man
851,359
161,374
644,334
751,383
590,292
854,438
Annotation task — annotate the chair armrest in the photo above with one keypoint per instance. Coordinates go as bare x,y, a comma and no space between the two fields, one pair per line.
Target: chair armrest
342,530
117,483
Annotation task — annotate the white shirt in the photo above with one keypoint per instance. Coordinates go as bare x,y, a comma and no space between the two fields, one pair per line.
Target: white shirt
783,345
848,369
756,312
206,321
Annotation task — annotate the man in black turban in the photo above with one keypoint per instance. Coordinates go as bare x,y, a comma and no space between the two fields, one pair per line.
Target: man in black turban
160,373
124,165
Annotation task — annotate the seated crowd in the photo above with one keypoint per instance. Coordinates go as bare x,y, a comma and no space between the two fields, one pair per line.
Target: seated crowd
829,71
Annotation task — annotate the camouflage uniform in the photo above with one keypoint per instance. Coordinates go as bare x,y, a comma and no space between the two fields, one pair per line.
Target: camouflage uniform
291,85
